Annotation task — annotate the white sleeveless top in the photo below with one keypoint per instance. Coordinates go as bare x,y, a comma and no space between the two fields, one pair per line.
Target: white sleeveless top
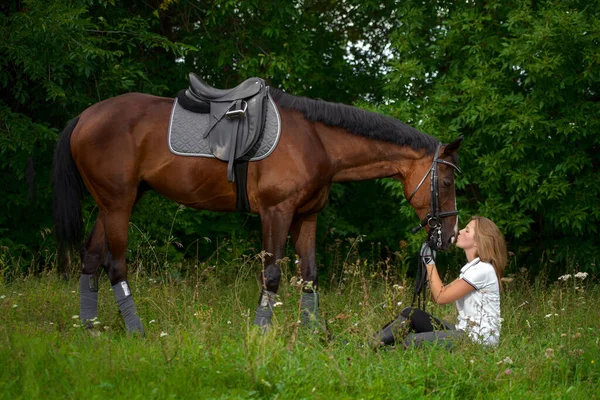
479,311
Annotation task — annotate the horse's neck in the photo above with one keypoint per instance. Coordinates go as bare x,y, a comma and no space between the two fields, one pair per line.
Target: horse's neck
356,158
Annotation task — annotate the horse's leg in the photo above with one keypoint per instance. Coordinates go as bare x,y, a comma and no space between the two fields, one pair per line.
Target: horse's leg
116,223
91,257
275,227
303,233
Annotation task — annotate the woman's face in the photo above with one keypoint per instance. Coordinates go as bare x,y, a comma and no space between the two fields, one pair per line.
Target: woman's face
466,236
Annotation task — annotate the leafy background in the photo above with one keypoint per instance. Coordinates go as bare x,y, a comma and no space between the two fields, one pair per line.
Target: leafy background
520,79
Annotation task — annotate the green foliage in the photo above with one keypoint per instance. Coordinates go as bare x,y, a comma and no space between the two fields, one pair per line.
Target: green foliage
521,81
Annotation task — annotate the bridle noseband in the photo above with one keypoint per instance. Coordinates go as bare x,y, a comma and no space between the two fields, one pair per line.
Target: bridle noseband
434,218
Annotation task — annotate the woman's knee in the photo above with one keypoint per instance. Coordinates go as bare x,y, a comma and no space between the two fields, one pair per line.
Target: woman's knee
407,312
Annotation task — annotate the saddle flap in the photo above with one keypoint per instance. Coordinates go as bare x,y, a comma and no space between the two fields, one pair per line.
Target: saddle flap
231,138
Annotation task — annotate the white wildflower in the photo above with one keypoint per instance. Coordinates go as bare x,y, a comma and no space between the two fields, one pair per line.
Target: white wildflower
163,334
228,322
581,275
15,305
151,322
399,303
506,360
75,317
277,304
2,297
96,323
76,326
564,277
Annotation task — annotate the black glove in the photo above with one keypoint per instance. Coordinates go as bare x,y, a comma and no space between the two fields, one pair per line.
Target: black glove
427,255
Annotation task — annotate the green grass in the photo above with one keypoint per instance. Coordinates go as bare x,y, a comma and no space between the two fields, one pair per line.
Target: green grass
202,344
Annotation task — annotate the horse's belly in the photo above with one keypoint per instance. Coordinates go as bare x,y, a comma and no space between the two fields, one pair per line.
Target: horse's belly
197,182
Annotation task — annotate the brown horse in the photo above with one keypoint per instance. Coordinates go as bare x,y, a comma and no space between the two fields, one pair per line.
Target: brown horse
118,149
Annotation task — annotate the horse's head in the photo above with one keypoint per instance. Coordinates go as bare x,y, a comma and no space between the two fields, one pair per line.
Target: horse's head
430,189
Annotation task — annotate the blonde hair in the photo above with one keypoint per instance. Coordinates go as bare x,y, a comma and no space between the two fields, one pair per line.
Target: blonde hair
491,247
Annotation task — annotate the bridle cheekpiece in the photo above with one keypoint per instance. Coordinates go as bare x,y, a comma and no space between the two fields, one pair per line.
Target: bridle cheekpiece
434,219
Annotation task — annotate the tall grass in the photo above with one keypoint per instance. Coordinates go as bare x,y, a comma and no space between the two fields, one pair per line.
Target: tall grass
200,341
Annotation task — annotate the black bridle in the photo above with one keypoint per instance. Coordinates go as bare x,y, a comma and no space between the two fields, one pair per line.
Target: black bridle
434,218
434,221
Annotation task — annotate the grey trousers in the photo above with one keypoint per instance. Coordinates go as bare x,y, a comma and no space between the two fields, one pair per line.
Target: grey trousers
415,328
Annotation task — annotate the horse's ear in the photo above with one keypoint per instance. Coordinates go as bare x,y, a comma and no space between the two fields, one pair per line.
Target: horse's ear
453,147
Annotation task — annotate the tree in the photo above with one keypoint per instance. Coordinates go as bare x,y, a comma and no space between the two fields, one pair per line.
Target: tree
521,81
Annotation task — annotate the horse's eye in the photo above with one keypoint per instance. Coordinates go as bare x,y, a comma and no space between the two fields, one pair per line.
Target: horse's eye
447,182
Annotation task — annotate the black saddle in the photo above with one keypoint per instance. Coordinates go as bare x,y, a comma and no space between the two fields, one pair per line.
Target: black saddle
237,116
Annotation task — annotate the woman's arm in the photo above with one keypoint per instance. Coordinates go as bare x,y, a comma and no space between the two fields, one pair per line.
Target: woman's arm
446,294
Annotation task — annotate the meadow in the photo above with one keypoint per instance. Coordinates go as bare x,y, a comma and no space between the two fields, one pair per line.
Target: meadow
200,342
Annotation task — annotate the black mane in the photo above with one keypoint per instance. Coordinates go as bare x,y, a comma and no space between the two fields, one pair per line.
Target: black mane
356,121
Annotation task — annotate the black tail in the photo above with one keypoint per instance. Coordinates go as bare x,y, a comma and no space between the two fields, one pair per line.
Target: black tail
67,192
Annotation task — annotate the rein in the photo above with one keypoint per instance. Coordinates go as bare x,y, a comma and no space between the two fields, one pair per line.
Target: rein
433,220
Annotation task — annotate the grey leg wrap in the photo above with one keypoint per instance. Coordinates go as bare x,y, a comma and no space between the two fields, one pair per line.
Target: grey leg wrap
392,331
128,311
264,311
309,305
88,297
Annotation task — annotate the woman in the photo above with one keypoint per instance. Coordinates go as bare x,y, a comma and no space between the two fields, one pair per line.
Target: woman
476,293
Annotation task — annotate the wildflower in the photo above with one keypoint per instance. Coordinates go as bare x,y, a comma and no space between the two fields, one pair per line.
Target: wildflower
577,335
399,303
581,275
398,287
563,335
472,361
76,326
163,334
564,277
549,353
96,323
15,305
2,297
153,321
506,360
508,371
550,315
75,317
277,304
228,322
